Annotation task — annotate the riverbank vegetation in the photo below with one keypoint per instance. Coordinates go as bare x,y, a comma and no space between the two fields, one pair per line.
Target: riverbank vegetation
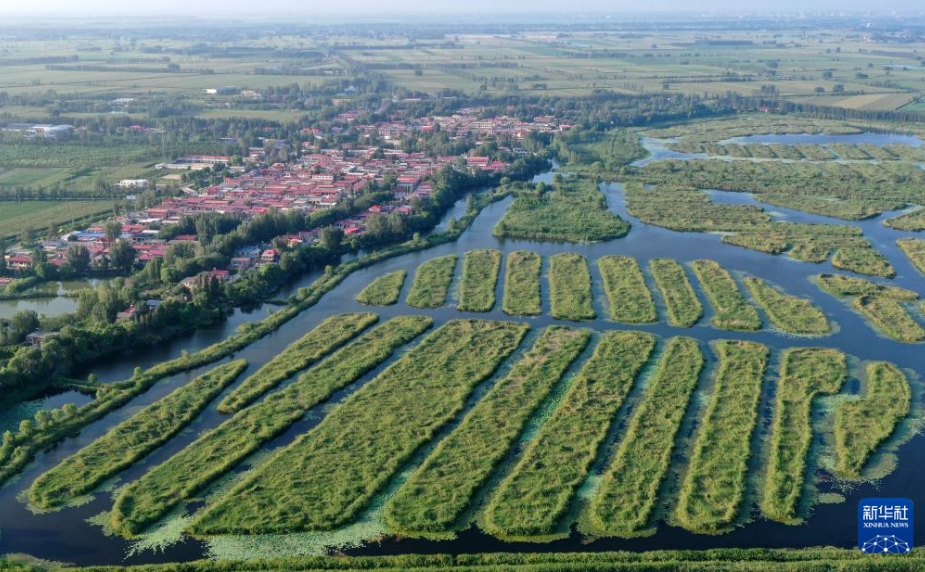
573,210
522,284
630,300
479,280
313,346
714,560
805,373
843,286
863,424
431,283
845,209
383,291
732,311
911,222
714,485
681,301
221,449
690,210
624,503
535,496
570,287
791,314
890,318
131,440
435,496
329,474
914,249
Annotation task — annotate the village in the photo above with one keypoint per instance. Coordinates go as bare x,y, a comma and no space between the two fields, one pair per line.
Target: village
317,179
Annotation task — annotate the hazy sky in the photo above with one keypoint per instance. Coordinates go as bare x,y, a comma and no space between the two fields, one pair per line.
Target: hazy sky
359,7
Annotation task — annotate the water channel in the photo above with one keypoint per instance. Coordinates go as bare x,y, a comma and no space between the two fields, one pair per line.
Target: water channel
66,536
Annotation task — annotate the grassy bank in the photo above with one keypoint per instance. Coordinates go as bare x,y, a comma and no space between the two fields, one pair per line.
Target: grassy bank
313,346
131,440
804,374
383,291
714,485
846,286
629,491
890,318
574,210
789,313
432,282
683,306
732,311
630,300
862,425
914,221
532,500
522,284
324,478
914,249
479,279
221,449
570,287
437,494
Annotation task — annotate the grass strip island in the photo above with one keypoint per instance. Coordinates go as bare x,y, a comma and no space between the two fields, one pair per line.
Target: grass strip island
439,492
714,486
323,479
732,311
479,279
383,291
683,306
221,449
630,300
313,346
862,425
570,287
432,282
532,500
131,440
522,284
629,491
804,374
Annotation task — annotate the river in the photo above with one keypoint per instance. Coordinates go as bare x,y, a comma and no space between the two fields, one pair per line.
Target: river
66,536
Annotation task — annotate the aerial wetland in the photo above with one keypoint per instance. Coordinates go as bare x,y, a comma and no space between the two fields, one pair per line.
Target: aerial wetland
703,366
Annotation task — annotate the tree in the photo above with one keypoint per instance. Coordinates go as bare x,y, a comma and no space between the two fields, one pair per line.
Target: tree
27,236
78,257
331,238
113,230
122,255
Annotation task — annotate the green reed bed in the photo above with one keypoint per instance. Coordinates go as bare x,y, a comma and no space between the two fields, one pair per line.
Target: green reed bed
570,287
890,318
912,221
323,479
383,291
683,306
789,313
804,374
732,311
532,500
914,249
432,282
629,491
131,440
220,450
313,346
714,485
479,279
522,284
630,300
862,425
435,496
845,286
863,260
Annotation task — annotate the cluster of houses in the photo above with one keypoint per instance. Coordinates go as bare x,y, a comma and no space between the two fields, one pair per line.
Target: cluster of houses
318,179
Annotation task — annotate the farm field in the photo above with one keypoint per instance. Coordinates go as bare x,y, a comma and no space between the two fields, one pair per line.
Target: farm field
38,215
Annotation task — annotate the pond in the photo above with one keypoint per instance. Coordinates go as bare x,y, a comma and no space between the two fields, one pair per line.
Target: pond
66,536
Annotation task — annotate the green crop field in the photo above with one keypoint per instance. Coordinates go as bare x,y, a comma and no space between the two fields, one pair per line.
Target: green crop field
38,215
